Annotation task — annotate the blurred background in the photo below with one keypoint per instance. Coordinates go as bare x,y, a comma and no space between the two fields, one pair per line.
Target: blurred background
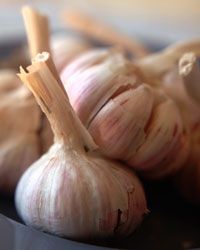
150,20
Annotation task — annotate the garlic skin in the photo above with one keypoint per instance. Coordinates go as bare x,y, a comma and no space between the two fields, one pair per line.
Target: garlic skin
187,179
73,190
65,49
129,120
8,80
24,133
19,142
94,77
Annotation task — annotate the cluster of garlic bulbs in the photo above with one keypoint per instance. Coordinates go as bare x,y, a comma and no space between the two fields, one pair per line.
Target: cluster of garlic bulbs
73,190
128,119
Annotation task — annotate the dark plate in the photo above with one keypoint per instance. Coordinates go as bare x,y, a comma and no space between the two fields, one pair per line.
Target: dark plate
172,223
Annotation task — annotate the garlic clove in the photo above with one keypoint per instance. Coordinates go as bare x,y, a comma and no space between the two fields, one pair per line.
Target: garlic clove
96,76
65,49
73,190
161,137
119,127
175,160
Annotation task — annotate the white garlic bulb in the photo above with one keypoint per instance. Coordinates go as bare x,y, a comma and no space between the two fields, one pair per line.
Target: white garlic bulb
128,119
73,190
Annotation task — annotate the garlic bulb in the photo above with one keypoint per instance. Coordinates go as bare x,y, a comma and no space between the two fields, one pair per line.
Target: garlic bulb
24,133
183,86
8,80
73,190
65,49
19,142
129,120
187,180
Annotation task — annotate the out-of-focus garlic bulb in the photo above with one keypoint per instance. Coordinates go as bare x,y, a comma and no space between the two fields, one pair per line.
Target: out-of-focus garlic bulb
183,85
24,133
129,120
66,48
19,139
8,80
187,180
73,190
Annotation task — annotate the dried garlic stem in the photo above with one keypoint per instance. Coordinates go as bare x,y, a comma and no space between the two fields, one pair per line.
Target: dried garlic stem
42,84
37,28
189,69
92,28
159,63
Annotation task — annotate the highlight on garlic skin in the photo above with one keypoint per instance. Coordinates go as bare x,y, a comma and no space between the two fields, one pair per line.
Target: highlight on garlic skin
73,190
129,120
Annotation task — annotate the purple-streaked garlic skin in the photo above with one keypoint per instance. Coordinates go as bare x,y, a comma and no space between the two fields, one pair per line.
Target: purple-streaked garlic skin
129,120
96,76
119,128
80,197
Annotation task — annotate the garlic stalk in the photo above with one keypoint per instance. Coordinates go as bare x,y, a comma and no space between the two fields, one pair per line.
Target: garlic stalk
157,64
73,190
87,25
190,70
129,120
